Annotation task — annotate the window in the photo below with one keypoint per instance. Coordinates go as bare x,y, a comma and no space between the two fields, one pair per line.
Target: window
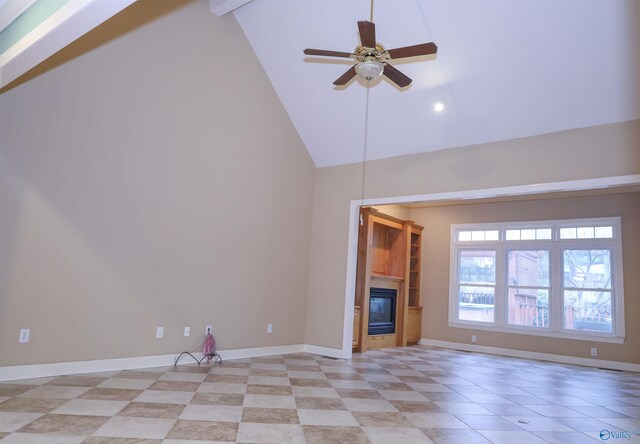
552,278
477,285
587,290
478,235
528,234
528,287
605,232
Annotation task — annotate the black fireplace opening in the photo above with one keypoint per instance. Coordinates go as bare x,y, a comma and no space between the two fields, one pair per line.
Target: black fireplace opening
382,311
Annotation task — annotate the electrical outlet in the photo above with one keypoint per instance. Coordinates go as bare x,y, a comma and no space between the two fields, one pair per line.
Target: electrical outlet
269,328
187,331
594,351
159,332
474,339
24,335
209,329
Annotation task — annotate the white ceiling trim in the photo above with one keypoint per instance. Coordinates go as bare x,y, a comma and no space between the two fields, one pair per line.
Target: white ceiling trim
597,183
72,21
222,7
11,10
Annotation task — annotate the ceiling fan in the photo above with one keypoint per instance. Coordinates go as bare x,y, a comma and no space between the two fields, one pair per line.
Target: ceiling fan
373,59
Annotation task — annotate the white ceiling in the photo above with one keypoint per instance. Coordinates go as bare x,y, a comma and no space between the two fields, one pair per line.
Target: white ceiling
506,69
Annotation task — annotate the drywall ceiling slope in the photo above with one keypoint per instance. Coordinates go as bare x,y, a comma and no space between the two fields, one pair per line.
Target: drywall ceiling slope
505,70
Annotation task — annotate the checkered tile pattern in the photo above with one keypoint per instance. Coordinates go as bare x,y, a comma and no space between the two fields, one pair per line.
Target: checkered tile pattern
402,395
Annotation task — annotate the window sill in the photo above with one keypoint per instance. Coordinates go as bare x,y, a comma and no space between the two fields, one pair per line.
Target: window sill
580,336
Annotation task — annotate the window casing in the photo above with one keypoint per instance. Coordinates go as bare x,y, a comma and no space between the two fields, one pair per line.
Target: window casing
559,278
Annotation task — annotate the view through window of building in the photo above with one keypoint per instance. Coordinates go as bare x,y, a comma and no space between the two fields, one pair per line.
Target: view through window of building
587,290
554,278
528,287
477,285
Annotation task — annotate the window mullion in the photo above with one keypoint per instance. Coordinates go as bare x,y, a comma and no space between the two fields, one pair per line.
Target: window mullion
556,297
501,280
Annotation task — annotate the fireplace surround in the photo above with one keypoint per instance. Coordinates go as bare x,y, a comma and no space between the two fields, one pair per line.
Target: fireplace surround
382,311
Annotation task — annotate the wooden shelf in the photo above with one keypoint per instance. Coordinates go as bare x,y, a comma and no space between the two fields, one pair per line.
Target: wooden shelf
389,256
414,279
386,276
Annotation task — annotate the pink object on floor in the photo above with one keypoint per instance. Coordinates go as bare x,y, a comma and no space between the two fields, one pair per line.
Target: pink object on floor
209,345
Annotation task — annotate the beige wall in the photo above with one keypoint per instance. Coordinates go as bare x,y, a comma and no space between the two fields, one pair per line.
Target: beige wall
436,256
150,177
602,151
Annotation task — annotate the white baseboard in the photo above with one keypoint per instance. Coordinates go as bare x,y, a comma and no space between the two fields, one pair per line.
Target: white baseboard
324,351
14,372
11,373
243,353
600,363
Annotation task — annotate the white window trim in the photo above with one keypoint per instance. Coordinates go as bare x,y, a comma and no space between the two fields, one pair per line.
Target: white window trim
556,246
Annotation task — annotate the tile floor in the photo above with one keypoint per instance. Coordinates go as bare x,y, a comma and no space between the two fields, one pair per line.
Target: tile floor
403,395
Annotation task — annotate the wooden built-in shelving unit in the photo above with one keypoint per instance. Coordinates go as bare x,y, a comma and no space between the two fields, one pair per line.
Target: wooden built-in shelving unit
389,252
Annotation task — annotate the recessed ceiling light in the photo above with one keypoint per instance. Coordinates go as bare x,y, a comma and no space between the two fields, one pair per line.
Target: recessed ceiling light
439,106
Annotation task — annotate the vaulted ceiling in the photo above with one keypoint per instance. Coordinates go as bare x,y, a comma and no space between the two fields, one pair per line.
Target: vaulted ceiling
505,69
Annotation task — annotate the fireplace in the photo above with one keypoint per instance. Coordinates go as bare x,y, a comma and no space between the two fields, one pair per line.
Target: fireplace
382,311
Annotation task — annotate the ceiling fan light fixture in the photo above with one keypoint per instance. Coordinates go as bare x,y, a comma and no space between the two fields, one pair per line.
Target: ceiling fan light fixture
369,69
372,58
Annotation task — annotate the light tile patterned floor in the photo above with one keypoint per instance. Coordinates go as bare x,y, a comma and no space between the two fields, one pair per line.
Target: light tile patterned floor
403,395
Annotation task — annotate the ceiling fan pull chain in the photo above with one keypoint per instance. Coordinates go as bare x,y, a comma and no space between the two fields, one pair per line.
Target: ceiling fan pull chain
364,148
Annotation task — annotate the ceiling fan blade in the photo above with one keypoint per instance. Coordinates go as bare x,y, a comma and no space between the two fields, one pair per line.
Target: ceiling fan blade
322,52
396,76
344,78
413,51
367,33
